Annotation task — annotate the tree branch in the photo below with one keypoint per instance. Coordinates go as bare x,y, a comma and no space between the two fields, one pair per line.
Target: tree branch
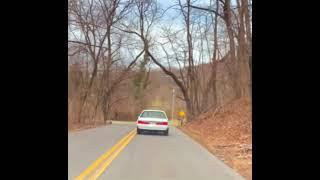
171,74
207,9
117,100
128,31
86,44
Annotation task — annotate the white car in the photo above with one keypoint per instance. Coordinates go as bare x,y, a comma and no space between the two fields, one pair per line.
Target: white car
152,120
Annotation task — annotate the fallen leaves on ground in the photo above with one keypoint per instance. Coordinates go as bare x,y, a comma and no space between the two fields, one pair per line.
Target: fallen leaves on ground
80,127
227,133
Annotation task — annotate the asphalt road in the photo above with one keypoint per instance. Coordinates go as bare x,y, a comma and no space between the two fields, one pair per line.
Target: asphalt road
146,157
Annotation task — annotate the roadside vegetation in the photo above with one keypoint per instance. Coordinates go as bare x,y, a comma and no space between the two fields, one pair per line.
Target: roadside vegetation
129,55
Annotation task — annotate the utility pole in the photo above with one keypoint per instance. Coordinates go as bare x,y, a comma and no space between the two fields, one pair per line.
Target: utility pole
172,104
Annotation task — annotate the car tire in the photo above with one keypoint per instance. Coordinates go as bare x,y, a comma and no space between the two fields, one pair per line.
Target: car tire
139,131
166,132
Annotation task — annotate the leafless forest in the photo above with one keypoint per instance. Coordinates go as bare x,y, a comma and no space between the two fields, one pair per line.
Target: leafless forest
127,55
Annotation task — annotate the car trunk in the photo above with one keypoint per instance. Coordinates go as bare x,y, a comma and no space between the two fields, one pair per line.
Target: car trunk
155,120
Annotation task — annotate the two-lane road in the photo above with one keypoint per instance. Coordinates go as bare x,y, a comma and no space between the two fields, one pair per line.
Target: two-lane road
146,157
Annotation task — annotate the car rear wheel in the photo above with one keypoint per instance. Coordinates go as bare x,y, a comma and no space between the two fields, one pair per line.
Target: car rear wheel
166,132
138,131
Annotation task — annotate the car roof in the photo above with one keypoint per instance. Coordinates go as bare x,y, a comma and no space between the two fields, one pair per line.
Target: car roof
153,110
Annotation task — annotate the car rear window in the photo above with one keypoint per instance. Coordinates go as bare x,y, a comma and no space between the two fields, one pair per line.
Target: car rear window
153,114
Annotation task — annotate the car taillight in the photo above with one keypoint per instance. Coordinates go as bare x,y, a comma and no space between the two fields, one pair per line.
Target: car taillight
143,122
162,123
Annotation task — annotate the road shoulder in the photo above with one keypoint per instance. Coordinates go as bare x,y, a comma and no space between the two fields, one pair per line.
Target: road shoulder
221,153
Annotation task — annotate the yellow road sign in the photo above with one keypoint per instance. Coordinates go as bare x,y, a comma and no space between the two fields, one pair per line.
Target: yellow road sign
182,114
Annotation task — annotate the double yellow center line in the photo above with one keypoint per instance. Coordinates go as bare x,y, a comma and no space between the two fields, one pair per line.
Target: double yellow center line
98,167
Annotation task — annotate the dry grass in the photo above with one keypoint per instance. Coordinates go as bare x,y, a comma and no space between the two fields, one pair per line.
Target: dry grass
89,119
227,133
79,127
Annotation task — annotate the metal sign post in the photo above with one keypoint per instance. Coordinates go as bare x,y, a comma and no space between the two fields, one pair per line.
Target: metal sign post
172,104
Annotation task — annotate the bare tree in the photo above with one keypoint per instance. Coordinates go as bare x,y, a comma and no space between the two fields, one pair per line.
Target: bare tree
91,23
239,68
187,83
84,20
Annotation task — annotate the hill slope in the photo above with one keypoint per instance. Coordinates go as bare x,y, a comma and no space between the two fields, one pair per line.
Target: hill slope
227,133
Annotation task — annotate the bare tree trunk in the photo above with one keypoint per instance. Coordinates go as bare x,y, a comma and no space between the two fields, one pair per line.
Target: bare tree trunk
243,66
105,107
212,81
190,109
83,98
249,37
247,19
233,63
215,51
193,91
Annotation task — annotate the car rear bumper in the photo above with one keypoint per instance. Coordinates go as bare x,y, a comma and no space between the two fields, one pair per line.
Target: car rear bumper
153,127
